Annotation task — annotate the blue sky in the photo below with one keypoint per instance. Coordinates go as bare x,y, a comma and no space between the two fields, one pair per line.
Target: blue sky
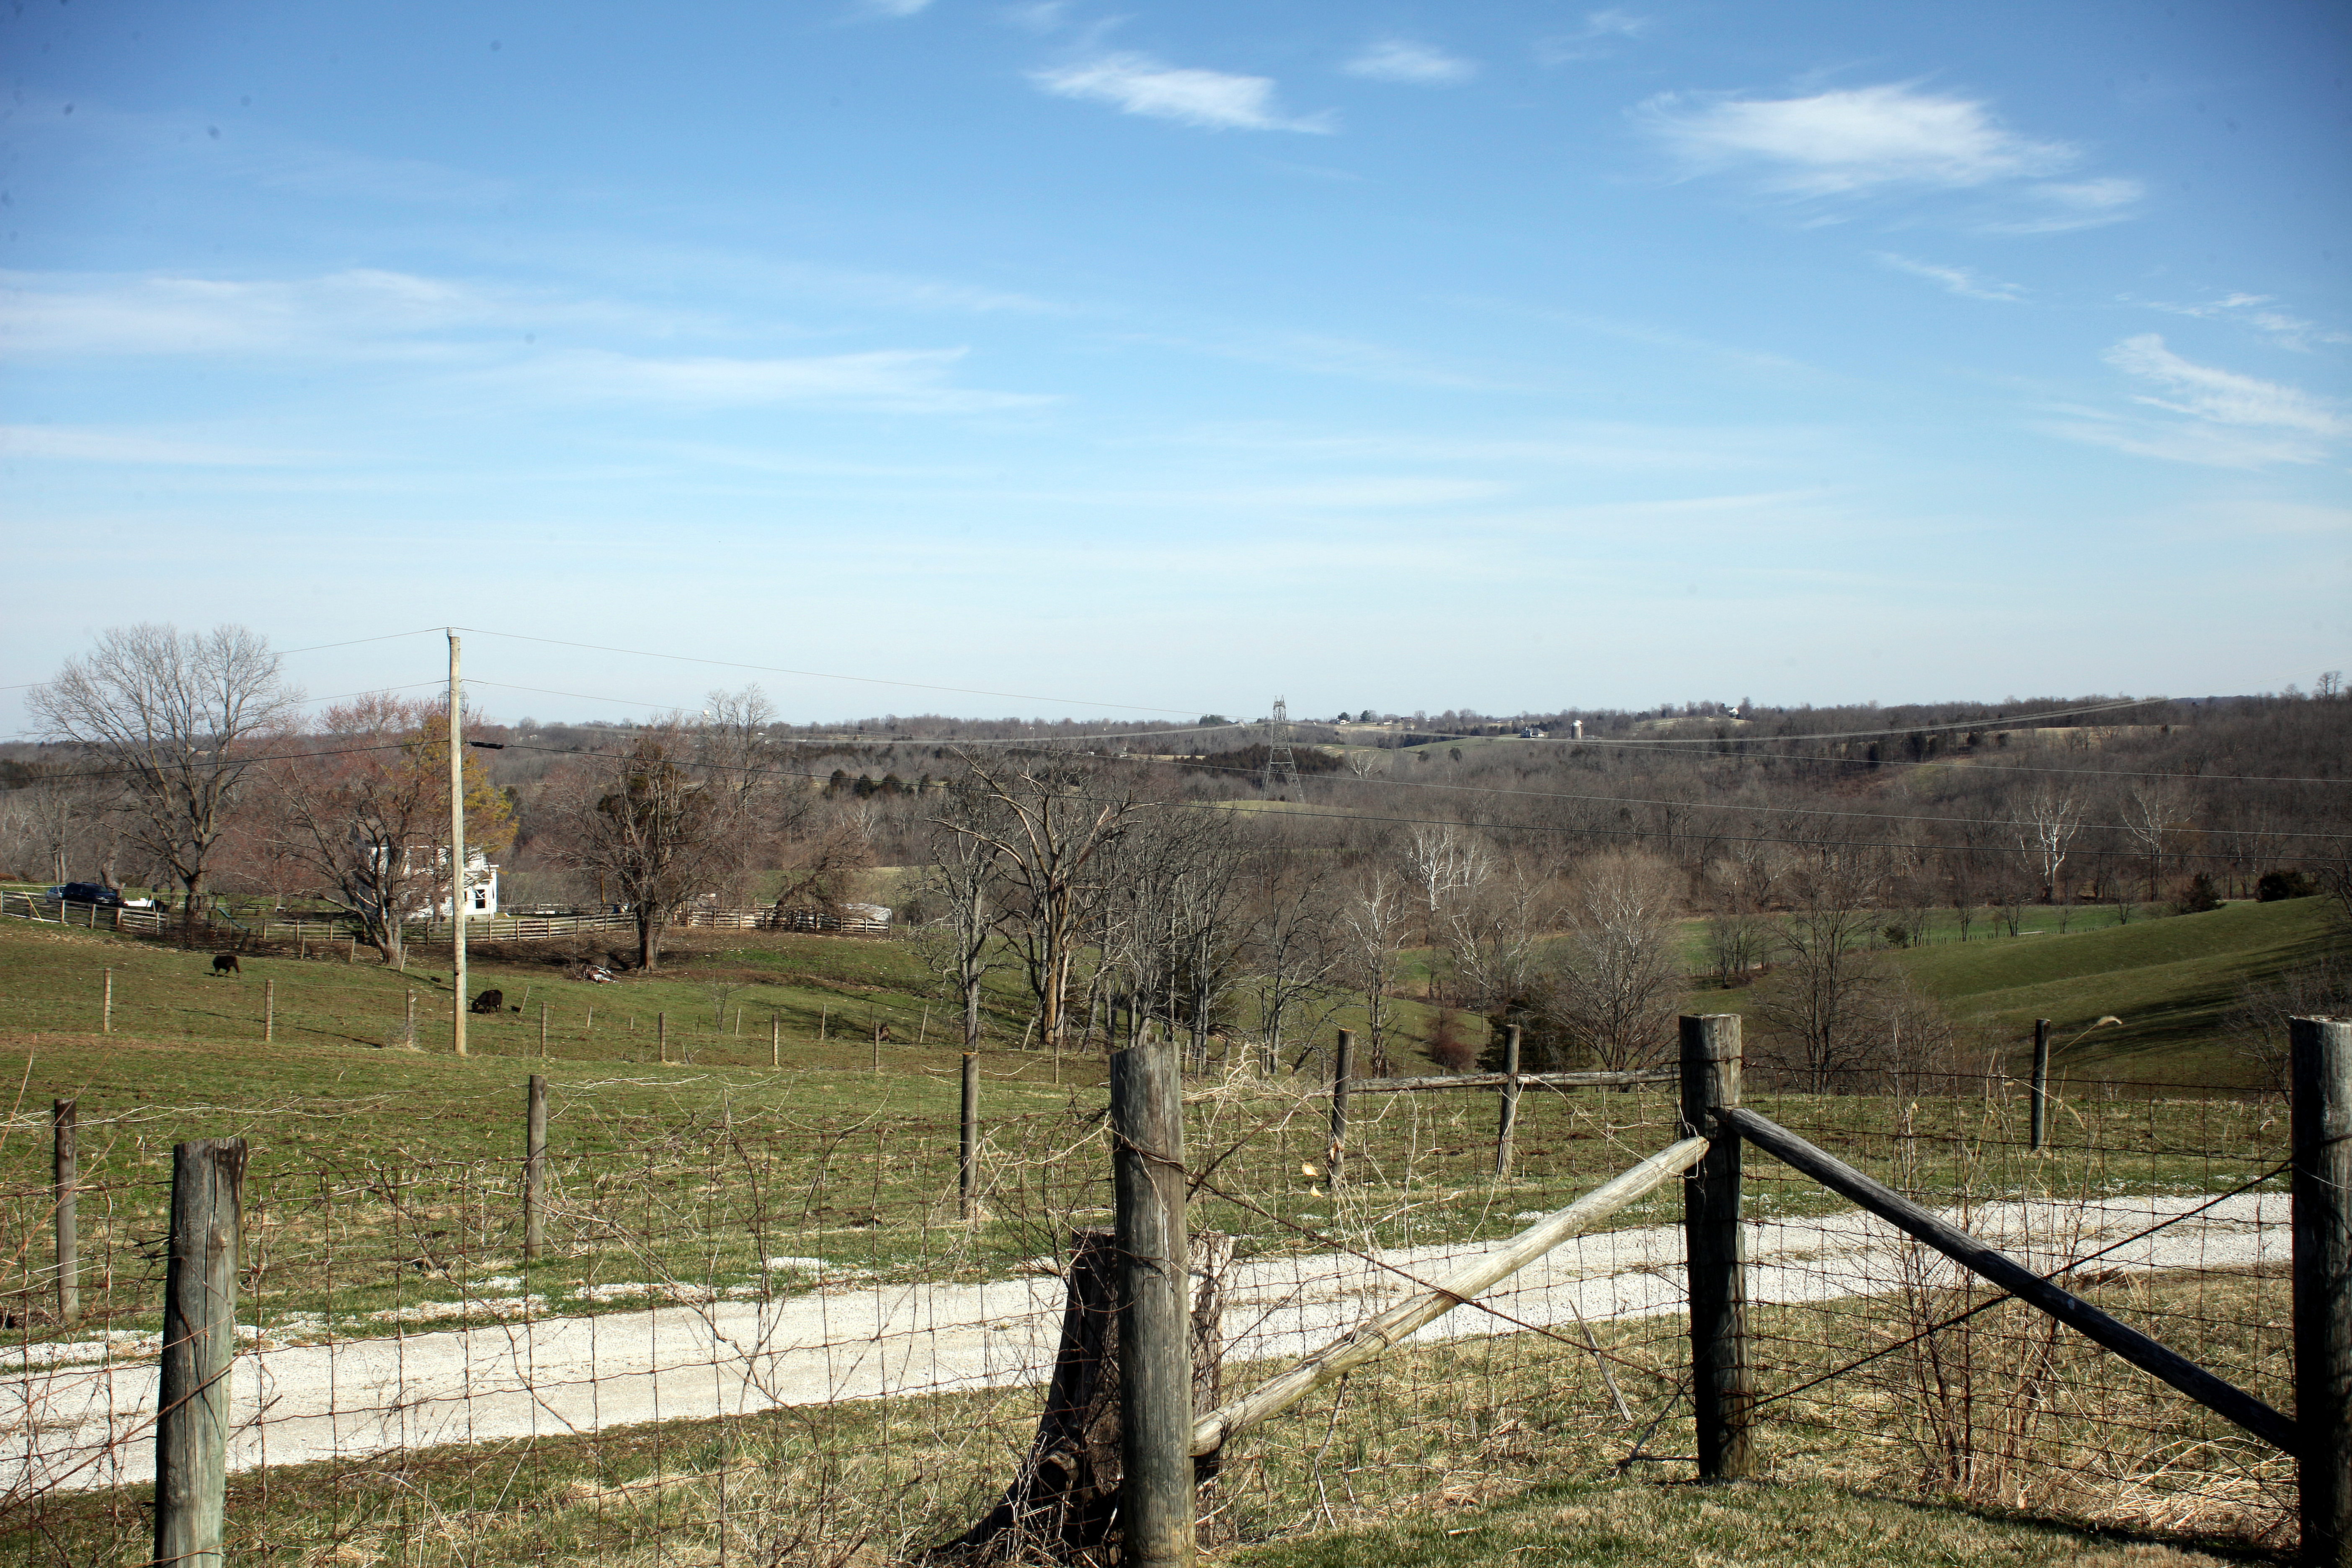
1171,357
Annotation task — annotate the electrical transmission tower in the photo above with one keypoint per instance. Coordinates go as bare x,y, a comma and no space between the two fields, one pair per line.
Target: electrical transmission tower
1281,768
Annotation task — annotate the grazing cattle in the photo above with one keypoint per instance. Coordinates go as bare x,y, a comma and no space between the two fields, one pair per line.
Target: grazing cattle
489,1002
226,963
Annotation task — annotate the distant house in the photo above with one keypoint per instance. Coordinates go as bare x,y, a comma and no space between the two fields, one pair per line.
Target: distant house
481,883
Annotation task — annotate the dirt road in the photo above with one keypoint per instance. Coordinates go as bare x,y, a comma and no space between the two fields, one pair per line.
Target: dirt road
79,1427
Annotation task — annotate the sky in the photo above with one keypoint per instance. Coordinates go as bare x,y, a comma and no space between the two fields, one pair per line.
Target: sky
1160,359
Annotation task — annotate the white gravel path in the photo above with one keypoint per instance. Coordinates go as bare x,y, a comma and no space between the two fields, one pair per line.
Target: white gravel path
79,1426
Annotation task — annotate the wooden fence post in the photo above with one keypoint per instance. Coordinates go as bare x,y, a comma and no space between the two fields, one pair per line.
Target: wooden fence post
1343,1069
967,1148
2320,1069
1714,1251
199,1339
534,1167
1147,1114
1508,1123
661,1035
65,1169
268,1011
542,1031
2041,1123
776,1039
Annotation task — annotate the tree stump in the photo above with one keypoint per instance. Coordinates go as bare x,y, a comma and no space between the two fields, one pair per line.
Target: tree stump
1063,1507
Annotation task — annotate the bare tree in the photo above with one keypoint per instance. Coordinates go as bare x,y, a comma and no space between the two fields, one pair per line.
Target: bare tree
1446,857
1622,977
1051,829
2150,811
60,817
740,761
1373,924
2046,824
1491,932
177,714
964,877
1818,1005
642,822
1293,942
366,812
1173,926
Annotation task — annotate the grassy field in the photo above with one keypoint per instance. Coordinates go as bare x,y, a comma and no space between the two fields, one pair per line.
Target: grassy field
384,1199
388,1177
2172,982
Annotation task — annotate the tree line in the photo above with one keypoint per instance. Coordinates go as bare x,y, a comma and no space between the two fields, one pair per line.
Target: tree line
1123,877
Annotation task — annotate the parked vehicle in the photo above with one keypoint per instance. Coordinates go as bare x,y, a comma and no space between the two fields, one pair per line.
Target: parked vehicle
98,893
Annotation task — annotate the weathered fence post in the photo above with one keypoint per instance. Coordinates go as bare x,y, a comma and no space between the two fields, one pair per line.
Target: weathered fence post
2320,1069
65,1170
1343,1069
776,1039
1714,1249
534,1167
2040,1081
1147,1113
106,1005
967,1148
268,1011
542,1031
661,1035
199,1339
1508,1123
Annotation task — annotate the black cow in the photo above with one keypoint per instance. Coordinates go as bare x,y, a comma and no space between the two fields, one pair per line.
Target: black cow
226,963
487,1001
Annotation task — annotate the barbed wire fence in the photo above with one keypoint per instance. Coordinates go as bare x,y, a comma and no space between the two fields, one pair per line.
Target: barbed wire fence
785,1341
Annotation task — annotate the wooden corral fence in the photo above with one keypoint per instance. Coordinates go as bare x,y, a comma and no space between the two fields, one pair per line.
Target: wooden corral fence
298,929
97,917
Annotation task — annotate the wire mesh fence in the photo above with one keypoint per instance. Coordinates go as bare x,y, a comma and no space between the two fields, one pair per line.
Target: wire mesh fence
2163,1204
778,1339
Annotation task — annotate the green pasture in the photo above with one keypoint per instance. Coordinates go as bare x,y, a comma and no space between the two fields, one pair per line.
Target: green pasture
2173,982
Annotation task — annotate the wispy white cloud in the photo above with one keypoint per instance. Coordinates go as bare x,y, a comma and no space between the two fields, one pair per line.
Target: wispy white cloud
1601,33
2223,419
2059,206
364,310
1959,280
1403,61
1215,100
2220,396
1037,16
2259,311
1312,354
914,381
891,9
1851,139
102,444
2206,445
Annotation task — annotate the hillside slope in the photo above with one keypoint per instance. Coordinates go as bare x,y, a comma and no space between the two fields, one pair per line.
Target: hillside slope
2171,980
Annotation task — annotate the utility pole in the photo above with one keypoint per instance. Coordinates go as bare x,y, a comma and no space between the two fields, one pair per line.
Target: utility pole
1281,768
456,852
